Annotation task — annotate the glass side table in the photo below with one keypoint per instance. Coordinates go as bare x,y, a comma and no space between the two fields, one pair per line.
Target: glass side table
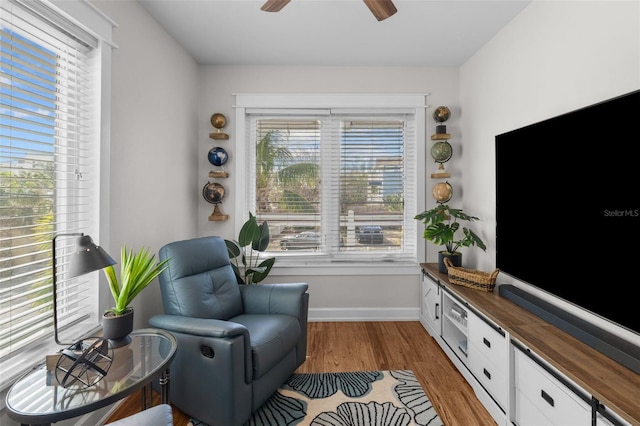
37,398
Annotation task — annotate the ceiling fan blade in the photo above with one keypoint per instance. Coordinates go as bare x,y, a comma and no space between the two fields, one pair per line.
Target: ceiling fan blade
274,5
381,9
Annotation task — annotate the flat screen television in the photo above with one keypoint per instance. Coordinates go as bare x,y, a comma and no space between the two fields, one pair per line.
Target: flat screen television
568,208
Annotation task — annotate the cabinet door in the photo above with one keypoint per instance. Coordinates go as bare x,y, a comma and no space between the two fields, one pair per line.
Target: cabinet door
540,395
431,304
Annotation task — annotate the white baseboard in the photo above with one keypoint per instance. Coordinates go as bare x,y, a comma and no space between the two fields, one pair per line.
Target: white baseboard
363,314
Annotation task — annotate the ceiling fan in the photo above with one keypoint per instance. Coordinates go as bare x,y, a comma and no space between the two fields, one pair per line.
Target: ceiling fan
381,9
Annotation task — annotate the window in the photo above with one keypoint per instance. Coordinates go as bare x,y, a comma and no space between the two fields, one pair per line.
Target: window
334,182
49,169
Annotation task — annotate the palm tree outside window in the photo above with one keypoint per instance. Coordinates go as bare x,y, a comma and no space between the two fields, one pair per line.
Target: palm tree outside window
334,185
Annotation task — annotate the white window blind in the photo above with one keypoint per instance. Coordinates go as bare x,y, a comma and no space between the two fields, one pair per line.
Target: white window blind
338,186
49,177
287,172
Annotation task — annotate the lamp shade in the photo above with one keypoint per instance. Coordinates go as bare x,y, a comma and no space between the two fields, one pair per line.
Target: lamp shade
89,257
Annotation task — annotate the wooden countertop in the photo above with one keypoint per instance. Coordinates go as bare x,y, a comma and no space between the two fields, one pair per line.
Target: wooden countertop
613,384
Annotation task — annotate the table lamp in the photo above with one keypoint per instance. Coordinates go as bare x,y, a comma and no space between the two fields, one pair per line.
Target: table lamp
89,257
81,364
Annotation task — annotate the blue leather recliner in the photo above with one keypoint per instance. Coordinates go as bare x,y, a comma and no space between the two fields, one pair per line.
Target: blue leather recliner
236,343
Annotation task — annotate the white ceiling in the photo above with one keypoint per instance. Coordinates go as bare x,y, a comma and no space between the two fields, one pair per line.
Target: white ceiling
333,32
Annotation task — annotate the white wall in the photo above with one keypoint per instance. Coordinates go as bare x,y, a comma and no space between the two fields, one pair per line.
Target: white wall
162,103
554,57
382,293
154,141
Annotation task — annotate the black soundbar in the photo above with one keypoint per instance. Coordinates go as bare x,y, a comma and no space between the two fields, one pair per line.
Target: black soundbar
616,348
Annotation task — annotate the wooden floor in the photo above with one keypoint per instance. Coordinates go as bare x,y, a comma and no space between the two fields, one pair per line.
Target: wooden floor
360,346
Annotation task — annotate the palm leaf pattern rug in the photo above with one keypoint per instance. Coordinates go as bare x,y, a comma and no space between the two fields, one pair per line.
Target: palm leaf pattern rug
362,398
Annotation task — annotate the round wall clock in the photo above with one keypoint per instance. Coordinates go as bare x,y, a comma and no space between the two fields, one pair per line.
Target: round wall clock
217,156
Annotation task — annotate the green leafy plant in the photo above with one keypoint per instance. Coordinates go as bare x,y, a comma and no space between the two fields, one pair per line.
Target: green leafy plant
441,227
137,271
252,240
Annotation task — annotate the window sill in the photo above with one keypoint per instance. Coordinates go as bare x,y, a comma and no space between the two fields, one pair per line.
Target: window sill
316,267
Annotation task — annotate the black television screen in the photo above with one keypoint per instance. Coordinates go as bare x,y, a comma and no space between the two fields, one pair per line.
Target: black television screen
568,207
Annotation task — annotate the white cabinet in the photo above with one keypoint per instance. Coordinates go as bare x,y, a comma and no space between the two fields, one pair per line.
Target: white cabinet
517,386
542,397
430,305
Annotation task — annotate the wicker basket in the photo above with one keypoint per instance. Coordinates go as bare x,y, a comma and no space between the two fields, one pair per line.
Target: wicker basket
470,277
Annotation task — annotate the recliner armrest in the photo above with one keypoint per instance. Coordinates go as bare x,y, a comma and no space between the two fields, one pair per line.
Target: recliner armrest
208,330
286,298
199,326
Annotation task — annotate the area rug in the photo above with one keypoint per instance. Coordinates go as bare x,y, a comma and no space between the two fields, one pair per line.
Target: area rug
362,398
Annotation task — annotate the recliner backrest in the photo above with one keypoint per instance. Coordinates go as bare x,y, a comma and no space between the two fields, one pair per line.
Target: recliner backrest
199,281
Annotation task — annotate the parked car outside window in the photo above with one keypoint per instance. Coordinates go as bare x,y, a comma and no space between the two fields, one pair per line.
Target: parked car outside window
303,241
369,234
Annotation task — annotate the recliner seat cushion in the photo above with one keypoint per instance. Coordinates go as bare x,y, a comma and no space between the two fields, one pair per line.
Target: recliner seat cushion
272,337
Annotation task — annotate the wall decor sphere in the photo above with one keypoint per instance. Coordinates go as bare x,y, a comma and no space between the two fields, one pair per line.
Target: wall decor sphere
213,192
218,120
217,156
441,151
441,114
442,192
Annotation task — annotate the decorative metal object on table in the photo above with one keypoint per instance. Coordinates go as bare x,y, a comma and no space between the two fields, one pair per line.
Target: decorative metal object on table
84,364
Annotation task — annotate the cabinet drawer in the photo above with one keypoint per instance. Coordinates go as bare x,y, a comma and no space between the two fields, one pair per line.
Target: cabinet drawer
487,340
492,377
527,413
549,396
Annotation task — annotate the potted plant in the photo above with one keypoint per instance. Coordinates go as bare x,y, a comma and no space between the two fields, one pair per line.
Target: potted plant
441,227
252,240
137,271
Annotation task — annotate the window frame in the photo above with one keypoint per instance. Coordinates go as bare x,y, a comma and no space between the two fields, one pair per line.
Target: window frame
70,18
357,104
